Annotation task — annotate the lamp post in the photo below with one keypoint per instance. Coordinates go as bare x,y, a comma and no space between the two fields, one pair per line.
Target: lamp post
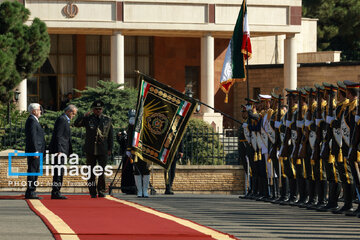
16,96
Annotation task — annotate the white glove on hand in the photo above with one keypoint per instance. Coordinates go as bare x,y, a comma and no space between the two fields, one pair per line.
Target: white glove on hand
248,107
329,119
277,124
128,153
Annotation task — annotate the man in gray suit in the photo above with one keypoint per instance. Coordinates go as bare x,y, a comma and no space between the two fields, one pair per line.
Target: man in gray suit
61,144
35,143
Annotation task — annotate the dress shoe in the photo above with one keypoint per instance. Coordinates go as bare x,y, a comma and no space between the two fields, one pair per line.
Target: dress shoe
169,192
353,213
58,196
93,195
101,195
343,209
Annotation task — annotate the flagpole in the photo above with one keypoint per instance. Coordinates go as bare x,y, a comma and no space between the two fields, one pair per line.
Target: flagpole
198,101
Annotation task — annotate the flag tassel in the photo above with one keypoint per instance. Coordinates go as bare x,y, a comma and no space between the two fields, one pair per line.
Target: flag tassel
226,98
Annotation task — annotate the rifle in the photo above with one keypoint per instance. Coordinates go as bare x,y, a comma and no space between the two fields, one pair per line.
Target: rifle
325,151
285,145
309,116
275,146
316,152
298,128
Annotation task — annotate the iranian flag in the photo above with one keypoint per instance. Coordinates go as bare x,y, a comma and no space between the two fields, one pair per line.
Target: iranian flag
238,51
183,108
164,155
136,139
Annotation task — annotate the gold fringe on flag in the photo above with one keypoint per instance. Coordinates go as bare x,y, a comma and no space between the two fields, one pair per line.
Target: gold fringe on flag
331,158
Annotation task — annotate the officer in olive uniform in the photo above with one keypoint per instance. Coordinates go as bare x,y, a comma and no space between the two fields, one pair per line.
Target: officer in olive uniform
98,143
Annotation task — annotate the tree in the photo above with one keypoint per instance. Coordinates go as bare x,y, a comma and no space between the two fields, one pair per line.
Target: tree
23,48
338,25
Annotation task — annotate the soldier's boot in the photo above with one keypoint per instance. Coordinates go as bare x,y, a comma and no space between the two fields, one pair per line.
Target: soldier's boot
347,193
145,186
138,183
302,192
357,211
255,188
275,192
322,192
334,192
264,191
283,191
168,189
293,192
312,194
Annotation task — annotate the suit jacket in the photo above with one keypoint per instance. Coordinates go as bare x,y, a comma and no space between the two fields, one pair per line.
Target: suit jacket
61,138
34,136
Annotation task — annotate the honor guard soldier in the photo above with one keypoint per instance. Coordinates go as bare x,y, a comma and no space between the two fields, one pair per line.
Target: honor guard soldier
287,146
307,145
328,160
337,151
254,129
316,162
244,150
275,122
299,161
265,132
352,116
98,144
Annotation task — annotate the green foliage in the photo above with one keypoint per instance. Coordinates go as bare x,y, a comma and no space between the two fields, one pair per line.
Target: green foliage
23,48
117,101
202,145
338,25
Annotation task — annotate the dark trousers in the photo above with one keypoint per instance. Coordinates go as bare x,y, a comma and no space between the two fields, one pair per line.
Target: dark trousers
92,160
58,176
171,173
33,167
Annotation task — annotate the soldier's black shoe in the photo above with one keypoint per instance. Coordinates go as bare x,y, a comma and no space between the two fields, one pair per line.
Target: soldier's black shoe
353,213
101,195
334,209
169,192
327,207
93,195
343,209
33,197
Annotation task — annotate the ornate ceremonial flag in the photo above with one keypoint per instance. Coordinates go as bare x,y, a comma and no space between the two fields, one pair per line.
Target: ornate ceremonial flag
162,114
238,51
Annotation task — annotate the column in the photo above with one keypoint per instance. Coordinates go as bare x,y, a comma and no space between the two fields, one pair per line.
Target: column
22,88
290,62
207,72
117,58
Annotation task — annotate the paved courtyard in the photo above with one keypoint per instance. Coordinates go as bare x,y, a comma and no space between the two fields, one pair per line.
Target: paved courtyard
245,219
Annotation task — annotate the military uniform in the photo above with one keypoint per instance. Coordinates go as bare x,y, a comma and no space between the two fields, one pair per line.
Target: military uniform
287,147
98,144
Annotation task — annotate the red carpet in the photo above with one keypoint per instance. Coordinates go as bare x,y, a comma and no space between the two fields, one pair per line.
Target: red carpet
80,217
12,197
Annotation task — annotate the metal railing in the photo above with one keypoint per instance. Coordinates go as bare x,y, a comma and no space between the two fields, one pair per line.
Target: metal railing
204,147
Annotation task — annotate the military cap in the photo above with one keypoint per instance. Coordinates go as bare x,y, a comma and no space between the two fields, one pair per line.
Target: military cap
97,104
276,96
310,90
131,113
350,84
329,86
301,92
342,86
264,97
290,92
250,100
319,87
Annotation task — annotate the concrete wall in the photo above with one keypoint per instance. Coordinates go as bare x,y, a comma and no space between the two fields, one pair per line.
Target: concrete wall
189,179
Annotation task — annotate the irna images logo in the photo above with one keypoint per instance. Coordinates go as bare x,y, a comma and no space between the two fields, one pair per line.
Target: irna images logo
17,154
60,162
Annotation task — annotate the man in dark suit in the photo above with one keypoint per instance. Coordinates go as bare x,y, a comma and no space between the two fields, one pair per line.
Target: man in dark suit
61,144
35,143
98,144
